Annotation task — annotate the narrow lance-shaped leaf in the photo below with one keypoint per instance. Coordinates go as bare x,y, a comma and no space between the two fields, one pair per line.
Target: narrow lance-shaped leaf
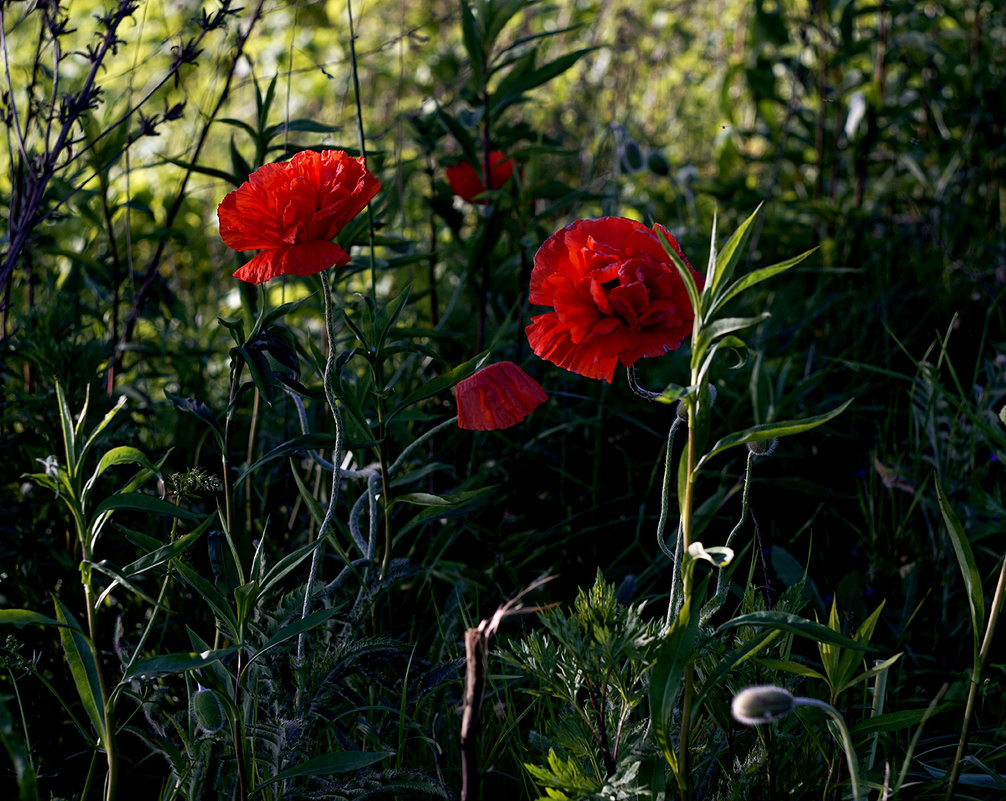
26,617
686,275
966,562
101,426
440,383
66,423
794,624
753,278
340,762
297,444
729,662
138,502
83,667
767,431
170,664
667,675
291,630
726,259
209,593
720,328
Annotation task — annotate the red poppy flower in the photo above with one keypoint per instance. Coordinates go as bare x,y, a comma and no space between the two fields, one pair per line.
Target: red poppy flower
617,296
292,210
467,183
497,396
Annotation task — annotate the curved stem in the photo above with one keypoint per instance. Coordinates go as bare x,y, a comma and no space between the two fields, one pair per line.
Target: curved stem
846,741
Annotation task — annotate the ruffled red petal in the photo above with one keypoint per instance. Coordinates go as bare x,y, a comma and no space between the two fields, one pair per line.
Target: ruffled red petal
307,199
616,296
551,340
307,258
497,396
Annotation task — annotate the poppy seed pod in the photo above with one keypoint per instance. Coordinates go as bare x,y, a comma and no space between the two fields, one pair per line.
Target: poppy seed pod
761,704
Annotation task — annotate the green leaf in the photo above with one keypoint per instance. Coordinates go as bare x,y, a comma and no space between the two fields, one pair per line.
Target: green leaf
298,444
200,410
341,762
966,562
755,277
783,621
84,668
893,721
161,555
138,502
727,258
203,170
797,669
24,771
245,598
101,426
429,499
26,617
209,593
720,328
315,508
124,454
441,383
288,563
767,431
170,664
525,76
686,276
259,368
389,316
291,630
471,36
667,677
66,423
729,661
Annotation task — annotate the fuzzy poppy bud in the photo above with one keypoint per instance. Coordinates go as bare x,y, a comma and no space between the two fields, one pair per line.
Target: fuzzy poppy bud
761,704
208,711
765,447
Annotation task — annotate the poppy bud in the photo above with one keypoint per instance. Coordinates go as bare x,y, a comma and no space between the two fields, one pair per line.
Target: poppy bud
765,447
762,704
208,711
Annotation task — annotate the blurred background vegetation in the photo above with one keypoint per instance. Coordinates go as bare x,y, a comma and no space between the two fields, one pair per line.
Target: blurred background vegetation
873,132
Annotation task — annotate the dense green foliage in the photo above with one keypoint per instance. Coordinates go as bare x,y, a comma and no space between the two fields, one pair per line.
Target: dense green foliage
183,617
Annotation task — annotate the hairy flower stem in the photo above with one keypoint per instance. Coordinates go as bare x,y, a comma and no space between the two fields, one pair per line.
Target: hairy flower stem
845,738
333,498
687,502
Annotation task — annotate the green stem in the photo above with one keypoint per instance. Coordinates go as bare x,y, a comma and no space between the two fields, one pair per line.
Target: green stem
239,732
333,498
846,741
363,141
976,677
687,502
111,757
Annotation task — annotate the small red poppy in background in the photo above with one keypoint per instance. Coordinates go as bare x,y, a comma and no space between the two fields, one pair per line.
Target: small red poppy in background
497,396
616,296
292,210
467,183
